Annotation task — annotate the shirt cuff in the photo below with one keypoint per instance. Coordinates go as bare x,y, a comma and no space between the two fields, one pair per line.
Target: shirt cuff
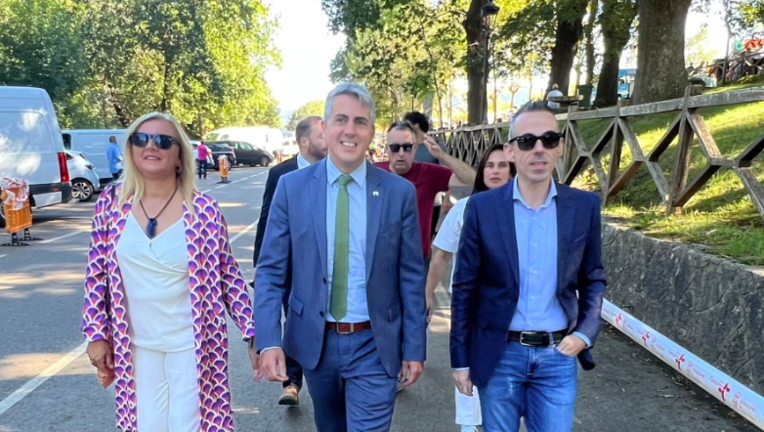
269,348
460,369
584,338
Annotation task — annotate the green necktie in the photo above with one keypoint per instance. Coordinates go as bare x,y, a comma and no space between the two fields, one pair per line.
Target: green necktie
339,306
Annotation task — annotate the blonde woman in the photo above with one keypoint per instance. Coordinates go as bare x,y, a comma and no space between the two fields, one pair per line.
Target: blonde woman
159,279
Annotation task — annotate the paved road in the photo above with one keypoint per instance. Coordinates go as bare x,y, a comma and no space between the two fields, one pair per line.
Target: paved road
41,350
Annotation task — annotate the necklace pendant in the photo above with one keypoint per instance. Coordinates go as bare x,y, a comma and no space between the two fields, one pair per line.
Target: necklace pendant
151,228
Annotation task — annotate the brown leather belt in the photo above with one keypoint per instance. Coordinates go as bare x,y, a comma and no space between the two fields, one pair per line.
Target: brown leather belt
536,338
348,328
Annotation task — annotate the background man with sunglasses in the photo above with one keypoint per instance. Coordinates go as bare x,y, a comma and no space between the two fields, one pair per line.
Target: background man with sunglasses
428,179
528,287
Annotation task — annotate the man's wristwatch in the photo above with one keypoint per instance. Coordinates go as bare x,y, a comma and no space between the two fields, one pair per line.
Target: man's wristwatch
250,342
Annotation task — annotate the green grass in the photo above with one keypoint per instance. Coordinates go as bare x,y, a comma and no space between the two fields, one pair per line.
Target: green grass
721,217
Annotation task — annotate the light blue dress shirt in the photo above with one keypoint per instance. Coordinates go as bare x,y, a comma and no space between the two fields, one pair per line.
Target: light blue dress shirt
115,158
538,308
302,162
358,310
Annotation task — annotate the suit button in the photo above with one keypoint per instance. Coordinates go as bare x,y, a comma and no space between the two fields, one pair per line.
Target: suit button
324,281
321,313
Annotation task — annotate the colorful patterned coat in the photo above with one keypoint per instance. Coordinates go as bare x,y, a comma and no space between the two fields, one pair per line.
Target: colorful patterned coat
216,285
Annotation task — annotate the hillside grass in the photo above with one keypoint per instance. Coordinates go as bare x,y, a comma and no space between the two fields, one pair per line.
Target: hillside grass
721,217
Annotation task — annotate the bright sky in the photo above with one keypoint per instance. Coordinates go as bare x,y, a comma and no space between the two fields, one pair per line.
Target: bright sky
307,49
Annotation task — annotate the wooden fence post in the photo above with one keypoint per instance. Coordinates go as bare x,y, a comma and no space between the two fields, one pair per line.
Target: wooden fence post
681,170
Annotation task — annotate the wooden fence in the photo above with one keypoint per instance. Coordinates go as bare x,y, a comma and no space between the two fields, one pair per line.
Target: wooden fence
469,143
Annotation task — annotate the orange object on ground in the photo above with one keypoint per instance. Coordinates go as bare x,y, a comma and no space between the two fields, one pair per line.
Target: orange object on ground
15,202
223,165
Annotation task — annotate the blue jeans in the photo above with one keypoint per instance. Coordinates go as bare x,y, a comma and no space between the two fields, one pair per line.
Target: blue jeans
538,383
350,389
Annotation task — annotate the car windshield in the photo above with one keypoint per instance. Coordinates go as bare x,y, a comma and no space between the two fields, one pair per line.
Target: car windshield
219,147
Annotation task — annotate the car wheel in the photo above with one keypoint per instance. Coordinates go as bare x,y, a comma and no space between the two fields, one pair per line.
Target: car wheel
82,190
264,161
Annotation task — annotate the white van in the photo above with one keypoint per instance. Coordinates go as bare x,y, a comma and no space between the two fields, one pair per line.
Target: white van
93,143
266,138
31,147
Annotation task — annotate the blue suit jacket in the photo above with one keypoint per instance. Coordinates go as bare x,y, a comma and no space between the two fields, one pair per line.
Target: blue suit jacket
395,271
486,284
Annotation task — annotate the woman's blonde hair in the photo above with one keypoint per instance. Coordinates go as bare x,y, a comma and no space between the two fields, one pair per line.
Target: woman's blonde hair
133,183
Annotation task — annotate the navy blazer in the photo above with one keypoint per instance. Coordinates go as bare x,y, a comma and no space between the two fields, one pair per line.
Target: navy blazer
395,271
274,174
486,285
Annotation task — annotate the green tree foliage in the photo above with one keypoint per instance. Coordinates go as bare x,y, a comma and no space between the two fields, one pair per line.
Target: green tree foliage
106,62
313,108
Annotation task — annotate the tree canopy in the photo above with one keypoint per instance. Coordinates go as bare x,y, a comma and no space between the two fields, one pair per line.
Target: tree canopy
106,62
313,108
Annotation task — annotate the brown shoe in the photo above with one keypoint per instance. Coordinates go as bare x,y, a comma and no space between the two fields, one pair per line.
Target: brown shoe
290,397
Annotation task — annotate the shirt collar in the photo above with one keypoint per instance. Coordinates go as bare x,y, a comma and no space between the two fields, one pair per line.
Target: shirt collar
333,173
518,197
302,162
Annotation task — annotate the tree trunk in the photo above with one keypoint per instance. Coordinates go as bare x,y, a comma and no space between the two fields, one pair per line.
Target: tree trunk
661,73
616,20
569,31
589,34
475,64
166,85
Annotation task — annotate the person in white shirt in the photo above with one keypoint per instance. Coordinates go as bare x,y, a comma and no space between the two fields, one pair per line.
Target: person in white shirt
494,172
554,93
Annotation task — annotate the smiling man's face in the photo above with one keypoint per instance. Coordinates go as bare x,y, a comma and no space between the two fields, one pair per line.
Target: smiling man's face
349,132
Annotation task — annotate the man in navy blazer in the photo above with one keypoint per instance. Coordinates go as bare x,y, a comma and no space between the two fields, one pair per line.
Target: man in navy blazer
345,235
528,287
310,138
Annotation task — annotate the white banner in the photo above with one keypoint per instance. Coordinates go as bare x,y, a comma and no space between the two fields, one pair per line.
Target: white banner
733,394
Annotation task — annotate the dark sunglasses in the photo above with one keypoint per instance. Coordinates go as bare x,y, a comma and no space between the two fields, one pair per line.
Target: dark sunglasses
140,139
395,148
527,142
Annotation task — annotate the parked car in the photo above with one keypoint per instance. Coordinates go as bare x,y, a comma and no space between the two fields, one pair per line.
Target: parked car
31,147
85,180
266,138
218,149
93,143
248,154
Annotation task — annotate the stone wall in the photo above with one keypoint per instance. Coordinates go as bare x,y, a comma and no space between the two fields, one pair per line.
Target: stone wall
709,305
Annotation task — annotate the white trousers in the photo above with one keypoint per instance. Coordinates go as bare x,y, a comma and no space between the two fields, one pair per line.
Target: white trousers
166,391
468,408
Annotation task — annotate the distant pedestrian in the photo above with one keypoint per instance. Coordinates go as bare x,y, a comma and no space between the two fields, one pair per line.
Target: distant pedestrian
553,94
159,279
203,155
528,287
114,154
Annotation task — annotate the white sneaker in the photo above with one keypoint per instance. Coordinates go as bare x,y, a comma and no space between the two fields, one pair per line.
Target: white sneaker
466,428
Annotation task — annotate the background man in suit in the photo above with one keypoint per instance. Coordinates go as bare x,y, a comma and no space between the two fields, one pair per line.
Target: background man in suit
528,287
356,318
310,138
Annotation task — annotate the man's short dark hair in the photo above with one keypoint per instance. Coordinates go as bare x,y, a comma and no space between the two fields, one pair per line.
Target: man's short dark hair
113,139
402,125
531,106
304,127
419,119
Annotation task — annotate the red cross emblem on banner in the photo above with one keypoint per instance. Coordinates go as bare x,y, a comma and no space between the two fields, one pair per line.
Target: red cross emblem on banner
724,390
618,319
645,338
679,361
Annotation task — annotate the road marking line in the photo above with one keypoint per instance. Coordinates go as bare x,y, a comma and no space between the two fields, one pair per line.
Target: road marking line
244,231
205,191
221,186
61,237
3,255
37,381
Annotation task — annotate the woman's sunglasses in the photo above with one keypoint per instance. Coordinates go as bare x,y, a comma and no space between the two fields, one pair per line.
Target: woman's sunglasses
395,148
527,142
140,139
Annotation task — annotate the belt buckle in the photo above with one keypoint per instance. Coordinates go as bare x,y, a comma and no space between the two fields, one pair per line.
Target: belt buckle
351,326
522,339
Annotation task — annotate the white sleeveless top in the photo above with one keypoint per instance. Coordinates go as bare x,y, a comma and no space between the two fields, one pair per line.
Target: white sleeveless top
156,280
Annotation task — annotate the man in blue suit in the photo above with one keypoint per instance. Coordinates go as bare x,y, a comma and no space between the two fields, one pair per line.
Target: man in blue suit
528,287
345,235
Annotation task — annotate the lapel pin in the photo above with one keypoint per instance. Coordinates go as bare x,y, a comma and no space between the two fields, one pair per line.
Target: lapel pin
375,193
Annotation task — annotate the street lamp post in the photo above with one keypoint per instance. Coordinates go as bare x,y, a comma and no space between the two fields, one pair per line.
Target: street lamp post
489,11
